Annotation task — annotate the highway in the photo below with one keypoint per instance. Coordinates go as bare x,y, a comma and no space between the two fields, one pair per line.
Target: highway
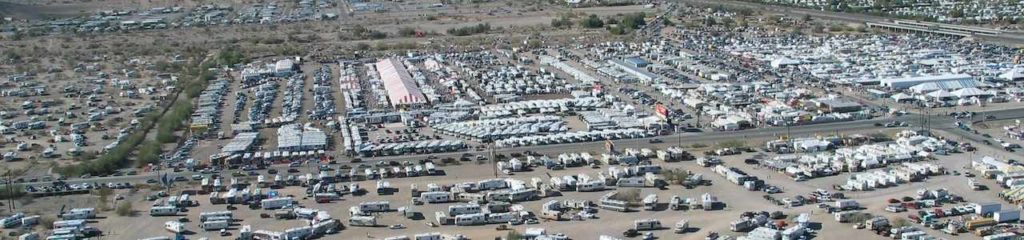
1004,38
939,122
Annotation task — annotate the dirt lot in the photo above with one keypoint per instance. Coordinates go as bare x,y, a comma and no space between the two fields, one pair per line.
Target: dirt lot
735,197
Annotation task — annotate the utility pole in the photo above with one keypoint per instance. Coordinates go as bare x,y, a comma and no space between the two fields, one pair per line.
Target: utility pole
10,192
494,162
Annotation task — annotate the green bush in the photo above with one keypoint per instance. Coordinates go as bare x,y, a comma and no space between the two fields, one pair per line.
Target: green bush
470,30
592,22
124,209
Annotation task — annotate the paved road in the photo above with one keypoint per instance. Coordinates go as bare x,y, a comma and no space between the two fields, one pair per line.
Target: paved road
865,126
1006,37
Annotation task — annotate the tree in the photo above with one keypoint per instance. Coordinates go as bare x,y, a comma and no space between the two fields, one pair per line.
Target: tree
592,21
900,222
378,35
359,30
676,175
668,22
561,22
732,144
104,198
634,20
880,137
956,12
617,30
124,209
709,21
47,221
513,235
631,195
362,46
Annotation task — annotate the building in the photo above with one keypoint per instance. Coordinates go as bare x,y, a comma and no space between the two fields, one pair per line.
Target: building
837,105
907,82
1014,74
401,89
291,138
631,68
638,62
241,143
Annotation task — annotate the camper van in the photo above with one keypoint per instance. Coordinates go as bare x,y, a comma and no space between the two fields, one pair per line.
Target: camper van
681,226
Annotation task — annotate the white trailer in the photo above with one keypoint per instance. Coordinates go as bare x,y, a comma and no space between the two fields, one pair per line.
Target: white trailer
428,236
363,221
682,226
29,221
68,224
500,217
298,233
163,211
590,186
436,197
214,225
460,209
174,226
845,216
646,224
378,206
73,216
29,236
206,216
470,219
276,203
847,204
79,213
491,184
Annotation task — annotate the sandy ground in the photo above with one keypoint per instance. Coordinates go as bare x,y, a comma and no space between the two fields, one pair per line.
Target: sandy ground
735,197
